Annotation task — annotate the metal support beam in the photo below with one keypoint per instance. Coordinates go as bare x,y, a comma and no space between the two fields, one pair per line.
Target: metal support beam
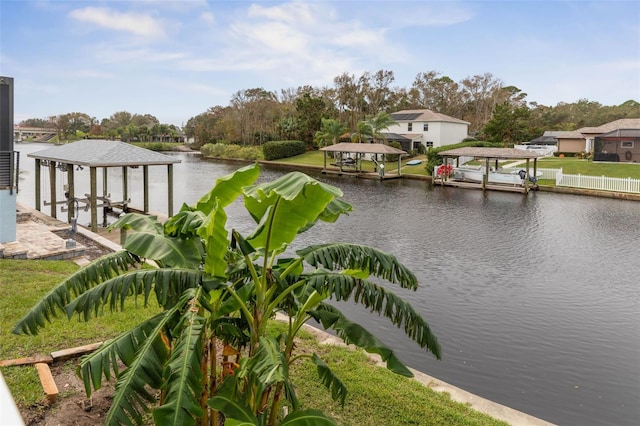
145,178
52,189
170,189
105,178
71,191
38,186
125,184
93,200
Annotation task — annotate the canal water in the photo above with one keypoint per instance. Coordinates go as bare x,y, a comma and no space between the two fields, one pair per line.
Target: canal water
535,299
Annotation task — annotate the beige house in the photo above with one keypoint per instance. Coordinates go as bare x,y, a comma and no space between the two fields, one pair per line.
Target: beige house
590,133
570,141
583,139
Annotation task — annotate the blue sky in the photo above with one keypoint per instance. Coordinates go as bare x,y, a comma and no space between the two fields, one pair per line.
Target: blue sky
175,59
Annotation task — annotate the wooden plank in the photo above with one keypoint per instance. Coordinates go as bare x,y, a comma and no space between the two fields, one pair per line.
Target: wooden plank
48,384
27,360
73,352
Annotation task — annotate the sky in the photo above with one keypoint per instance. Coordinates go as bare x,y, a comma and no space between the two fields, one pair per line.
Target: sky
176,59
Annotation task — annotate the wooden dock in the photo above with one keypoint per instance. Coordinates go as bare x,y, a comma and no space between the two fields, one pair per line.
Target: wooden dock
362,175
490,187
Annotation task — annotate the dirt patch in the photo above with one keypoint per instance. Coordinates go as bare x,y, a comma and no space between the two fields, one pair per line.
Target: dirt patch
72,407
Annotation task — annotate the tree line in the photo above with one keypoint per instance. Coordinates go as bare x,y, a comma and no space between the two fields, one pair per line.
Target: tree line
121,125
496,112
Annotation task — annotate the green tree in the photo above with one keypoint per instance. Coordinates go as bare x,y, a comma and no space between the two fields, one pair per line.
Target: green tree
309,110
288,128
214,284
330,132
378,123
509,124
363,129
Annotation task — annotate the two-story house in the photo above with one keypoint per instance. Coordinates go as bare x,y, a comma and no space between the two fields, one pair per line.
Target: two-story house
431,129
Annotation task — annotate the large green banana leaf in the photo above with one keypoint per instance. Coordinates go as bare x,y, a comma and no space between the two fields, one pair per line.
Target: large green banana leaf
288,205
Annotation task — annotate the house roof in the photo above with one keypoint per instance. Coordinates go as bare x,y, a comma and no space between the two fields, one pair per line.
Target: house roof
622,133
103,153
623,123
543,140
369,148
424,115
495,153
564,134
395,137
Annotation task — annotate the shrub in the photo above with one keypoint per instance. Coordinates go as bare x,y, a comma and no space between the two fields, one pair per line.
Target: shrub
232,151
215,150
276,150
394,157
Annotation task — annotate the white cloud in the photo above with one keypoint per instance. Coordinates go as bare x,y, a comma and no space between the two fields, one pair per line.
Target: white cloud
135,23
119,53
297,14
208,17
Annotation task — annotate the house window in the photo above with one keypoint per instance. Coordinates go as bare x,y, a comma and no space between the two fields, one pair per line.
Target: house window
425,127
429,144
626,144
409,127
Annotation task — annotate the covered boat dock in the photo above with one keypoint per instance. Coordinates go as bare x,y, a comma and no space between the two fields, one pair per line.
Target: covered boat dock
353,166
96,154
451,159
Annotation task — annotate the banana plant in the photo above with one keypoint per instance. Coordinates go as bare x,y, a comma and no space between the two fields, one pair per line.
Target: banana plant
215,284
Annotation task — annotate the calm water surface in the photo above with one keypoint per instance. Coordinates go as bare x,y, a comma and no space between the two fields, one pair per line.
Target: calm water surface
535,300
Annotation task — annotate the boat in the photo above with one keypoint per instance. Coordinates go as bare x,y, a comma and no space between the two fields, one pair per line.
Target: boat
413,162
476,175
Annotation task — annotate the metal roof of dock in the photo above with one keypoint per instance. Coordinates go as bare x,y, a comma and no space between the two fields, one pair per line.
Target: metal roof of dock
94,154
496,153
103,153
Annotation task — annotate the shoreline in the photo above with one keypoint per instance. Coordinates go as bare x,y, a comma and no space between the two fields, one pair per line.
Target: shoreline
541,188
493,409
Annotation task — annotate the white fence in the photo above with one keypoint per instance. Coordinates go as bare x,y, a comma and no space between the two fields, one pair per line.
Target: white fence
602,183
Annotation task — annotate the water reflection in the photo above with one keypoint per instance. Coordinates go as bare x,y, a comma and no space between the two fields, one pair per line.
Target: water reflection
534,299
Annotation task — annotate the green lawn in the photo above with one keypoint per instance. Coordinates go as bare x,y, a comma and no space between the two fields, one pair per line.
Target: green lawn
316,159
575,166
376,396
22,284
568,165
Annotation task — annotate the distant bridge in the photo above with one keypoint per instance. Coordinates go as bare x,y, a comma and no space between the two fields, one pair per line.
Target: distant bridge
35,134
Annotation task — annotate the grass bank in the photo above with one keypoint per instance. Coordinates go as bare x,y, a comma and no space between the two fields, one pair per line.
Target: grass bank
376,396
315,159
568,165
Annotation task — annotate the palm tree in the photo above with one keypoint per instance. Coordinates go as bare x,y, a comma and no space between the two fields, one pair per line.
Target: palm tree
363,129
215,285
330,132
379,122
